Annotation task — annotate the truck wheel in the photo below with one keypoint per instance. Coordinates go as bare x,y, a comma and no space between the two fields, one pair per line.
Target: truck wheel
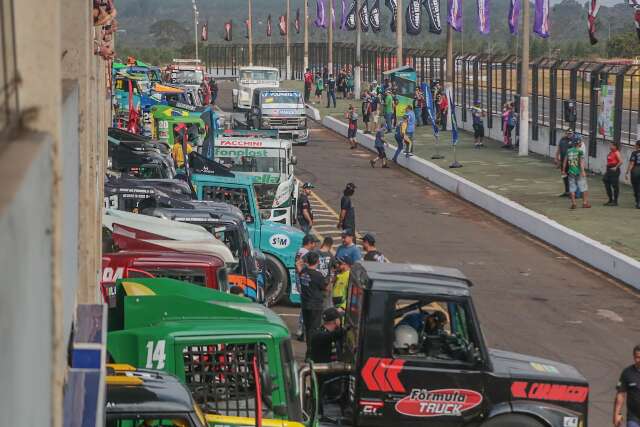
513,420
275,281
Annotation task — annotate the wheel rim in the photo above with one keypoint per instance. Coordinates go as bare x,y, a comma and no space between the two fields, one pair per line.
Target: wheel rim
272,282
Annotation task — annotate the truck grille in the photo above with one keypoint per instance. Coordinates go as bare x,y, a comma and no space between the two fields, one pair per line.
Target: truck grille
284,121
220,377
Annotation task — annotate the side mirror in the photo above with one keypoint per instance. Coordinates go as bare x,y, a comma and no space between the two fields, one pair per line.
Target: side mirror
265,215
294,160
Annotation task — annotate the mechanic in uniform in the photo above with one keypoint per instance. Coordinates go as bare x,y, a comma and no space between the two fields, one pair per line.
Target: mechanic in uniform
347,213
629,388
179,135
305,213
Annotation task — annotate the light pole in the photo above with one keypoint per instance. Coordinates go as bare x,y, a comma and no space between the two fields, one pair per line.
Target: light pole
524,83
288,40
250,33
306,35
330,39
195,24
356,68
399,30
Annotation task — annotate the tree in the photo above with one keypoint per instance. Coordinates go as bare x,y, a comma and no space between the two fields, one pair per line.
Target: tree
623,45
168,32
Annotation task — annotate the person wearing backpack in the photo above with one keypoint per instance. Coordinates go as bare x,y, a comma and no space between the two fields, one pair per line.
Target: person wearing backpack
319,88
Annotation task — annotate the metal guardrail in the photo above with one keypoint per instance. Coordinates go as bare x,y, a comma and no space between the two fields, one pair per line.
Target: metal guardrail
490,79
9,79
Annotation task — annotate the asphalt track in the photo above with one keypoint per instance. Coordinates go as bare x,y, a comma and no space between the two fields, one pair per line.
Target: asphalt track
530,298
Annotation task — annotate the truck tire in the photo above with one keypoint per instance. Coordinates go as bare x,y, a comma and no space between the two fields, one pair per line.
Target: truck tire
276,280
513,420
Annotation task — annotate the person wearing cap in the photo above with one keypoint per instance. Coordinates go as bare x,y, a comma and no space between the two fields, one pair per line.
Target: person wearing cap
388,110
325,342
371,253
305,213
477,113
308,244
341,283
312,286
347,213
561,153
348,248
180,134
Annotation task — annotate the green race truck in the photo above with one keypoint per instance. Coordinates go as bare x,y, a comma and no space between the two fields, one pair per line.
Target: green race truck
208,339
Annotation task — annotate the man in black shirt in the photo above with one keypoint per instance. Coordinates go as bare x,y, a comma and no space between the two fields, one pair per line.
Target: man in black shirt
347,213
325,342
371,252
629,388
305,213
312,286
331,91
561,154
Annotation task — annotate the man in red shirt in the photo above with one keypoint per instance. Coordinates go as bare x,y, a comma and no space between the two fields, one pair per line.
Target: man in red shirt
308,83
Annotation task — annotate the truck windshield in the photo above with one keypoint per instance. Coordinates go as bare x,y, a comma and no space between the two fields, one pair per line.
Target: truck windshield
404,87
437,331
251,160
261,75
237,197
273,97
187,76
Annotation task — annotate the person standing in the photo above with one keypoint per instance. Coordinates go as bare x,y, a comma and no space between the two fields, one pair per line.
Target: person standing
371,252
325,263
477,114
419,103
325,342
341,284
312,286
331,91
352,130
213,85
561,154
573,167
388,110
611,178
347,218
366,110
309,242
374,102
348,249
305,212
628,388
308,83
633,172
444,110
319,88
506,130
410,118
399,137
379,145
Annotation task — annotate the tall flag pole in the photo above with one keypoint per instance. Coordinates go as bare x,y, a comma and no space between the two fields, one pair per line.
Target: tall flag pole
594,7
541,22
484,23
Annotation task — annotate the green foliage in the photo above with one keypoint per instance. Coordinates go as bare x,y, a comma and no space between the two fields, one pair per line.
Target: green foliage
624,45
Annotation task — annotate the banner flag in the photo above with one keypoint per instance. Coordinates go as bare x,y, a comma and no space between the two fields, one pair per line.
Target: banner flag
484,24
514,16
364,16
541,22
269,27
227,30
455,15
433,12
413,17
321,19
393,7
431,112
204,36
374,17
297,22
283,25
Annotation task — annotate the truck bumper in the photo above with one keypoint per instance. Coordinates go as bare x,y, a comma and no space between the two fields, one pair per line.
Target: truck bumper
297,136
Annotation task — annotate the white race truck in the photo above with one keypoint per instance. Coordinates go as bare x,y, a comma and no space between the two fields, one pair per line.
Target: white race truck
270,161
250,78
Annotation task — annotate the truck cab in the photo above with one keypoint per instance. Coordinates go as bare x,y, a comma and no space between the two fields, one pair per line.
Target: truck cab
414,355
200,121
278,242
138,155
249,79
269,160
208,340
279,109
130,194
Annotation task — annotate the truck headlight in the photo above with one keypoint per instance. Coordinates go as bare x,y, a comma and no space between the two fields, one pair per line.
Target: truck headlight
303,121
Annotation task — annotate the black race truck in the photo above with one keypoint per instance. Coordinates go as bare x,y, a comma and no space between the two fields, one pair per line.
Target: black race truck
413,354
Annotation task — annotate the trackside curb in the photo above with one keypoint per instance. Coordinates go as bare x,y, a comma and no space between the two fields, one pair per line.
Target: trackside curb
587,250
312,112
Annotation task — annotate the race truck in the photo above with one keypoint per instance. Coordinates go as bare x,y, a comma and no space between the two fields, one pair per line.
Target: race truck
208,339
279,109
413,354
155,247
131,194
138,155
249,79
269,160
185,72
227,224
277,241
151,398
201,122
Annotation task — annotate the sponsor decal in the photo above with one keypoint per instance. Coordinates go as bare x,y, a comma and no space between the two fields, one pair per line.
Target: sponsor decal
240,152
437,403
279,241
382,374
266,179
546,391
109,275
240,143
371,408
570,422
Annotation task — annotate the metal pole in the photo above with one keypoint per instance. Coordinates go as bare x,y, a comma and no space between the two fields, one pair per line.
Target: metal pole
524,83
250,32
306,35
287,41
357,69
195,25
330,39
448,84
399,31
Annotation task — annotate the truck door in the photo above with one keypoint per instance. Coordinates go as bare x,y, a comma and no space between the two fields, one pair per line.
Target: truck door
430,371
